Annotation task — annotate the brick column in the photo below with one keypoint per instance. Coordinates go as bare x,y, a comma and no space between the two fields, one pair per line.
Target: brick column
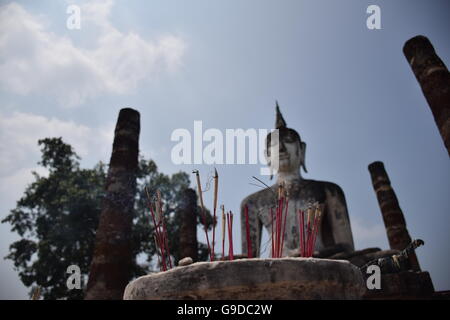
434,79
393,218
112,260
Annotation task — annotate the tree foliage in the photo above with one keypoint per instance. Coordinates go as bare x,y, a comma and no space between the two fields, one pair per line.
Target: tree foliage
58,214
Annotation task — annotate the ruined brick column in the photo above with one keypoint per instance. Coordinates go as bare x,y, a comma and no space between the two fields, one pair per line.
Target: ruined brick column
393,218
188,229
434,79
112,259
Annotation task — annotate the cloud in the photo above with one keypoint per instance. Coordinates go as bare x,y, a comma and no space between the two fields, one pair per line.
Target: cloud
13,185
37,61
19,133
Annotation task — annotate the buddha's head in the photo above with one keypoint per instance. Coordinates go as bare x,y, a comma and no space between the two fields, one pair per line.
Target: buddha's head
291,149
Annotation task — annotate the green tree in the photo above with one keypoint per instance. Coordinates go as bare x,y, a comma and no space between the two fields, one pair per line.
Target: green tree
57,218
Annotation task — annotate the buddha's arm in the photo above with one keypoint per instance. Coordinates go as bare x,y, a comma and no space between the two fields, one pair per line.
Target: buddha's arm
339,218
255,228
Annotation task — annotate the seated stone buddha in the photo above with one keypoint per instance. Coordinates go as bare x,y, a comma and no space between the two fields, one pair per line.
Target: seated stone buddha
335,233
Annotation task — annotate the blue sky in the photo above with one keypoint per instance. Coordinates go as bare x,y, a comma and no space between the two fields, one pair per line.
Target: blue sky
346,89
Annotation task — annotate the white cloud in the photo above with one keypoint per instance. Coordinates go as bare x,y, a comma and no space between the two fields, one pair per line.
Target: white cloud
37,61
20,132
13,184
20,153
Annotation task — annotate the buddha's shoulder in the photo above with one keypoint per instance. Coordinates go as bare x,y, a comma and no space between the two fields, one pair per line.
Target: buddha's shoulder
264,196
326,186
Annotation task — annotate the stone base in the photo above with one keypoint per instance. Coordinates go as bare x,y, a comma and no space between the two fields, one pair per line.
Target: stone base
247,279
361,257
403,286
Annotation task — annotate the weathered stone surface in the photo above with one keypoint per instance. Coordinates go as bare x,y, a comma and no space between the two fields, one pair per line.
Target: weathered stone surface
188,229
393,218
287,278
112,260
434,79
361,257
185,262
348,255
404,285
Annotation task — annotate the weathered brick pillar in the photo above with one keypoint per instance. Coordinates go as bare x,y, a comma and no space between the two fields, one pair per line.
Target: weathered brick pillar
188,229
112,260
393,218
434,78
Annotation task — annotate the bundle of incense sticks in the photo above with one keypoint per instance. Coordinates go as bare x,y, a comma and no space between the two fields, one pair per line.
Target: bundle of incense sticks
160,232
279,219
309,224
200,195
230,235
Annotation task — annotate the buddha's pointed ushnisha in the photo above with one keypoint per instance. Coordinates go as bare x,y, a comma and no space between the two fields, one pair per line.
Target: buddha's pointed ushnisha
279,121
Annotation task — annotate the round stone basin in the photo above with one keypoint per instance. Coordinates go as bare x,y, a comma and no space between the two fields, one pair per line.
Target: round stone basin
251,279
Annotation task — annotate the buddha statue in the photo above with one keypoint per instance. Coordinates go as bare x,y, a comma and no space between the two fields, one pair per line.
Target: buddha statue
335,233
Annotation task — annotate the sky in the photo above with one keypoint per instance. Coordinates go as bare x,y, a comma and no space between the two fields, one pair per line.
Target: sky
346,89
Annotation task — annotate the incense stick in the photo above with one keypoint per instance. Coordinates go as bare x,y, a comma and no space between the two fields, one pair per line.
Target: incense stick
317,221
166,243
157,235
164,228
309,213
284,226
247,228
224,222
230,235
273,244
160,230
216,188
200,194
157,253
301,216
269,188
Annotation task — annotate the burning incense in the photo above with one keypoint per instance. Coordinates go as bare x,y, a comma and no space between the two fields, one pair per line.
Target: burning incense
164,228
157,233
160,238
200,194
308,233
279,222
317,221
160,231
249,241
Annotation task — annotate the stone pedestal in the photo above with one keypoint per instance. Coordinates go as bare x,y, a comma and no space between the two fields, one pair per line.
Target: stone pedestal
247,279
406,285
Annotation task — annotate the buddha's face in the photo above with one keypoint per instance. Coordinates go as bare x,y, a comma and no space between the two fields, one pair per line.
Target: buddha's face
291,152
